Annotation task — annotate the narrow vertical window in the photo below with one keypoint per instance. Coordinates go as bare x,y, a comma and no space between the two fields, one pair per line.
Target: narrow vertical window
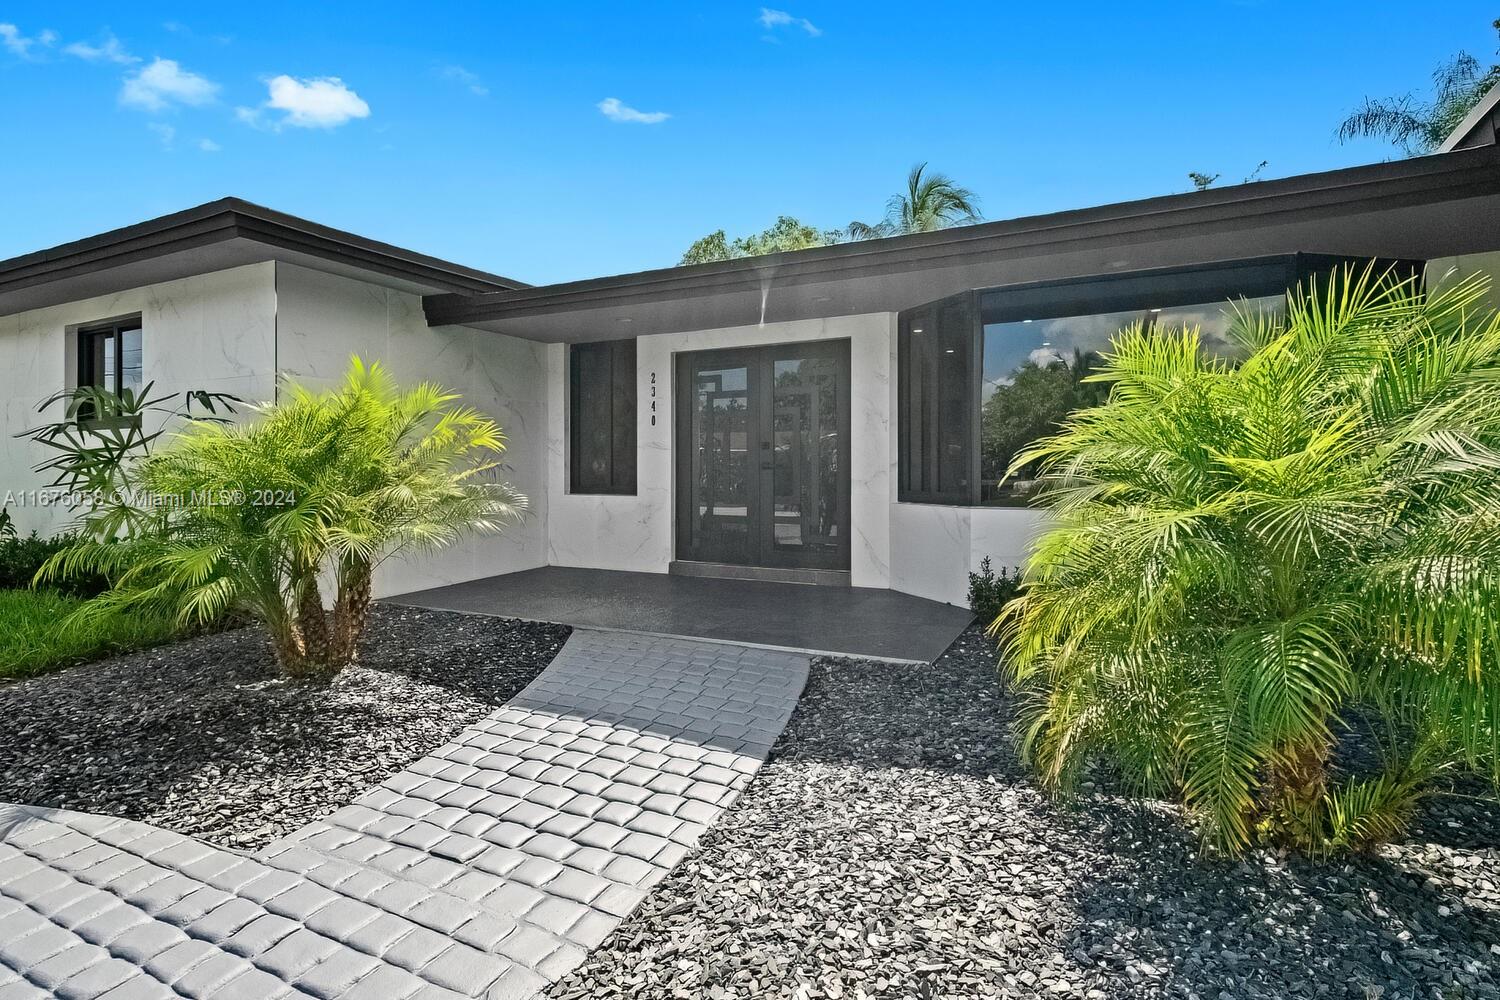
936,400
602,417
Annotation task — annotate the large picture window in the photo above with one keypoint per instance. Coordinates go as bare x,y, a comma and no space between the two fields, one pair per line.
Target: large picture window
602,417
982,375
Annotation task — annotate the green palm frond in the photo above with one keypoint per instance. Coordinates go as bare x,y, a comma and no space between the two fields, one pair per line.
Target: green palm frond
326,482
1239,555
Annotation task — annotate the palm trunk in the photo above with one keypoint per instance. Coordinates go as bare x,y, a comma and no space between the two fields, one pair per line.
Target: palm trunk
1296,791
291,658
312,628
350,611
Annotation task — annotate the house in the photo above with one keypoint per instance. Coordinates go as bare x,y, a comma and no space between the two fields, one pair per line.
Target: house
838,415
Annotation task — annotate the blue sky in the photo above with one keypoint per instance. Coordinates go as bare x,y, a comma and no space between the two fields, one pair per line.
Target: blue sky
485,133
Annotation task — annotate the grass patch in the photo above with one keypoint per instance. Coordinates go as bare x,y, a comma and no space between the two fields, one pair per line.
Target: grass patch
34,637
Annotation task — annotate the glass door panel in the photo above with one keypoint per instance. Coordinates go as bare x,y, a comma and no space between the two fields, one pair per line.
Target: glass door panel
720,482
808,502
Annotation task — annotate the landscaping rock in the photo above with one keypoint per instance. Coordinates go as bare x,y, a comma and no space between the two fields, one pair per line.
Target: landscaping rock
203,738
895,847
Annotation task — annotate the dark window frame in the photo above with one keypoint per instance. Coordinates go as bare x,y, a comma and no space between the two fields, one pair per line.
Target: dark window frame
90,340
919,471
612,400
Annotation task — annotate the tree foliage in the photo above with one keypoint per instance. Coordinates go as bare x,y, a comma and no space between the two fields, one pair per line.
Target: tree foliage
1248,563
255,516
1420,124
931,201
787,234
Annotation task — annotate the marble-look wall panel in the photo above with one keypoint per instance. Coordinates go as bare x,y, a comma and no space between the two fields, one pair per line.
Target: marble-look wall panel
325,319
930,551
636,532
934,548
211,331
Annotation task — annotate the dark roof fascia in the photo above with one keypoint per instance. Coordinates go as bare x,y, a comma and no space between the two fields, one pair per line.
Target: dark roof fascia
1420,180
233,218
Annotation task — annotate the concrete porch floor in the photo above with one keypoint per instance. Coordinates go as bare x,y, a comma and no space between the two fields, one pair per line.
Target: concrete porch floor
849,621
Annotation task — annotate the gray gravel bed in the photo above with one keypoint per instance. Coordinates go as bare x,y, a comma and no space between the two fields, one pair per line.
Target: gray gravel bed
201,737
894,847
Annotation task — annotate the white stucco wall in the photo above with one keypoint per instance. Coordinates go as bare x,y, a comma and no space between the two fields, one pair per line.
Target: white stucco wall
212,331
324,319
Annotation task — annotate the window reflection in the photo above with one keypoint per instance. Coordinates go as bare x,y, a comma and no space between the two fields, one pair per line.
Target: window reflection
1035,371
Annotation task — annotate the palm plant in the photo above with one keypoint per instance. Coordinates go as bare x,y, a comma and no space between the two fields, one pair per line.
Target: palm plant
1418,125
932,201
323,486
1249,563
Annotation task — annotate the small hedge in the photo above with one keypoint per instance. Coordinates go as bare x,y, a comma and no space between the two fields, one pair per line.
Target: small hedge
20,558
989,591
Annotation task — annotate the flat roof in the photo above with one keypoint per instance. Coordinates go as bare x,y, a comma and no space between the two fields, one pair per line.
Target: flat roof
1411,208
225,233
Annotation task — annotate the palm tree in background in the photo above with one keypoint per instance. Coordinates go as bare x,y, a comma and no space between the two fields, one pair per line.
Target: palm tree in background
1420,126
932,201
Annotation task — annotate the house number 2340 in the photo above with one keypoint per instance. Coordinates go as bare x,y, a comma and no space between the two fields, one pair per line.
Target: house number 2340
653,399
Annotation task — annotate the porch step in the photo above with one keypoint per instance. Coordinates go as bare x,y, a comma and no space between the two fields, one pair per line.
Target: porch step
765,574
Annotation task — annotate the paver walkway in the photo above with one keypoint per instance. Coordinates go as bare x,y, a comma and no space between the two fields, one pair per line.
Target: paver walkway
487,869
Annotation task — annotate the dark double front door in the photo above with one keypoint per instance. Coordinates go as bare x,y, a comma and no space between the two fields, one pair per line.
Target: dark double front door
763,456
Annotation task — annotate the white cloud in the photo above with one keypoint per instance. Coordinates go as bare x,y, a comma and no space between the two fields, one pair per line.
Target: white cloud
457,74
109,50
209,146
772,19
20,45
318,102
178,28
164,132
615,111
163,84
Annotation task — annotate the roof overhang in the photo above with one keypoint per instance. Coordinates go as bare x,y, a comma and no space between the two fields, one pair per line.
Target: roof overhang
218,235
1414,209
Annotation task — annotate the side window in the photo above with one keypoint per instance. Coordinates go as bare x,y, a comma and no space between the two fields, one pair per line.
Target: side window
109,356
602,417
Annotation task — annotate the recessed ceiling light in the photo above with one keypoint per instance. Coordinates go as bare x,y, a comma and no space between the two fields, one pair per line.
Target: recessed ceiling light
916,329
624,319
